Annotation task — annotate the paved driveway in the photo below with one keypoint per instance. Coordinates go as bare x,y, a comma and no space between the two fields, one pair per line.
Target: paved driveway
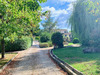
34,61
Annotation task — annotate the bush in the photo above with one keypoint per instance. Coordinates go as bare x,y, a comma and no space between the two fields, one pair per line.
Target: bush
43,45
46,44
37,38
50,44
44,38
75,40
19,44
57,39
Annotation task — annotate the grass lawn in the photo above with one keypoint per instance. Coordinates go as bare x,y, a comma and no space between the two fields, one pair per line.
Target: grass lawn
88,64
8,56
69,44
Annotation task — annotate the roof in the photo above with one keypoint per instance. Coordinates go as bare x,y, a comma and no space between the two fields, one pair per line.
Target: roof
67,33
60,30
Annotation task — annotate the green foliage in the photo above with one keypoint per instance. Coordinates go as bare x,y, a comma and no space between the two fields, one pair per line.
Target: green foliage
75,40
19,44
44,38
93,7
46,44
37,38
43,45
20,17
33,5
84,24
57,39
80,61
36,31
49,24
50,43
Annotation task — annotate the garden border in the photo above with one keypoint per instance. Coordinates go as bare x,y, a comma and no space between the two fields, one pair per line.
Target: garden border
65,66
8,63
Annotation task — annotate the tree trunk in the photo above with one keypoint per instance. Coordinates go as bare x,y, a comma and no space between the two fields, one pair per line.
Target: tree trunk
3,48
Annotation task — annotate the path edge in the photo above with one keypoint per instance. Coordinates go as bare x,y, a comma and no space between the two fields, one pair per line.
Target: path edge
8,63
65,66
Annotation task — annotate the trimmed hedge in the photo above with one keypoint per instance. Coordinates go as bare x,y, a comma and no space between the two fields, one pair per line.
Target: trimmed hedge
43,45
19,44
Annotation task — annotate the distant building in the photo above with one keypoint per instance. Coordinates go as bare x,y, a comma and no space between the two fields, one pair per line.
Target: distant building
66,35
61,30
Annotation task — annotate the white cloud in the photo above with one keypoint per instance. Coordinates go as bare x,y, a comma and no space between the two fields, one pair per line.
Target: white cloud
62,2
67,0
70,7
62,15
54,12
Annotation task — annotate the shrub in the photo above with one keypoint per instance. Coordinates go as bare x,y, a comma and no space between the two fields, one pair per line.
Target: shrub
37,38
57,39
75,40
19,44
46,44
43,45
44,38
50,44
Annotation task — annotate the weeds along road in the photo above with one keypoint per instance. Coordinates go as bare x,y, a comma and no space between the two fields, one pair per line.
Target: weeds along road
34,61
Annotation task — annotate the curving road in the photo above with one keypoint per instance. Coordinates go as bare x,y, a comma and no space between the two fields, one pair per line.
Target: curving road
34,61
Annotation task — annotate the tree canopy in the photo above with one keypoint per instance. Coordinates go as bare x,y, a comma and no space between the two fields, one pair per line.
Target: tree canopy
85,22
18,17
49,24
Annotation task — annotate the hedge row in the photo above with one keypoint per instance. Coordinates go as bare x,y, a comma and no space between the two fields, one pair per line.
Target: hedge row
19,44
45,45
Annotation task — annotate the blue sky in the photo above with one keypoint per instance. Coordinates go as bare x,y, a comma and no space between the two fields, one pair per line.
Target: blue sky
60,10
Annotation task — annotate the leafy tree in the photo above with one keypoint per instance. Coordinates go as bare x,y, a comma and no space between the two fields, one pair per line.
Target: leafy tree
85,22
49,23
36,30
18,16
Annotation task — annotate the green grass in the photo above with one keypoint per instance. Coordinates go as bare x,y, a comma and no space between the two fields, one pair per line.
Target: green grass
88,64
70,43
8,56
